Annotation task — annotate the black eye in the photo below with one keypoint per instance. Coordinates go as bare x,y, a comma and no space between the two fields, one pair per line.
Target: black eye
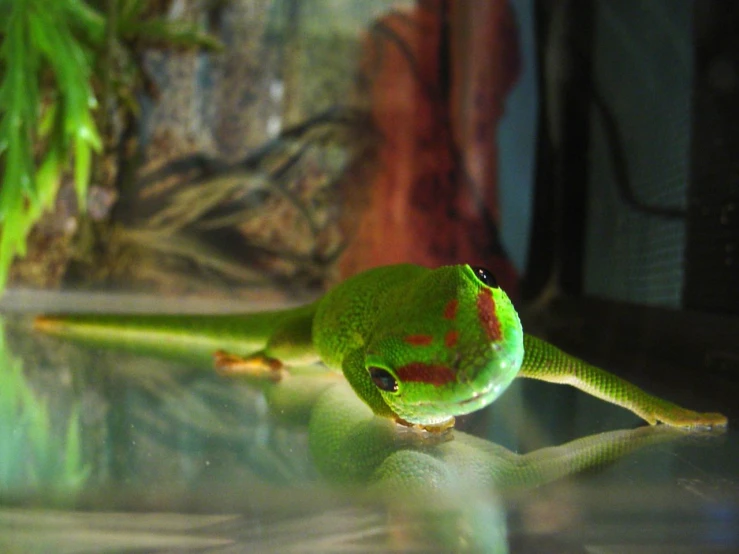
486,277
383,379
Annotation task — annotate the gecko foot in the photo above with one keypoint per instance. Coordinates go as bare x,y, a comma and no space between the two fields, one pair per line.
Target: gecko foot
416,435
689,419
256,365
440,428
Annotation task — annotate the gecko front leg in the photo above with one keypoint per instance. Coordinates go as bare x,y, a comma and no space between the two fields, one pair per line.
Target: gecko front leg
290,343
256,365
547,363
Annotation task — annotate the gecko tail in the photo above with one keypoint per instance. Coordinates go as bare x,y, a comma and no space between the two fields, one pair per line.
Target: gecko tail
49,324
181,336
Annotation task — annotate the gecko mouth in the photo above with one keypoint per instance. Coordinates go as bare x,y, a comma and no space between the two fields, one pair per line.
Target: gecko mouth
432,412
473,398
467,397
475,401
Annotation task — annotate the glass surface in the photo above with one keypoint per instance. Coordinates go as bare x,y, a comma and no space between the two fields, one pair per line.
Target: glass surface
105,451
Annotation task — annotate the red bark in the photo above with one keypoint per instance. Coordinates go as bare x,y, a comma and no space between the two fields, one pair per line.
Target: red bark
437,79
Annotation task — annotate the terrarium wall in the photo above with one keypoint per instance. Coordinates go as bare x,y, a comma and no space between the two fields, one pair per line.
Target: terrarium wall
326,137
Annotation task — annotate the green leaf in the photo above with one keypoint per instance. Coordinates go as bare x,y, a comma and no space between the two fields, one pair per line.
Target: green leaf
51,45
132,9
73,464
160,31
38,37
86,21
82,162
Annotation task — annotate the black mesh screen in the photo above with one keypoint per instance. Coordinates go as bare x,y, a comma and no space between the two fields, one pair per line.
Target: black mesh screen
642,71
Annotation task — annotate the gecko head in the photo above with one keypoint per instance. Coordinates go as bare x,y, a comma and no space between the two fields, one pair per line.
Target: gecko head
449,346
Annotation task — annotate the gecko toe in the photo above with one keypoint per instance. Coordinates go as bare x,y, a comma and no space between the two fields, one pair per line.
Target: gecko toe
695,420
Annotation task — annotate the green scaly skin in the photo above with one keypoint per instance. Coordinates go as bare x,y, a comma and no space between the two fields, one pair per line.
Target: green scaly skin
417,345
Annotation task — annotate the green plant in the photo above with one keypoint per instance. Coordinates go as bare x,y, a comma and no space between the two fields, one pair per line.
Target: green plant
46,105
35,458
50,52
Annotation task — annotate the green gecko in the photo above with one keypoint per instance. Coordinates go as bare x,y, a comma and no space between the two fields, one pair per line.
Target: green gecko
417,345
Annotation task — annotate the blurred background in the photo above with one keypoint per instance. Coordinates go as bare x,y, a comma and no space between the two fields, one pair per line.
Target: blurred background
204,155
264,150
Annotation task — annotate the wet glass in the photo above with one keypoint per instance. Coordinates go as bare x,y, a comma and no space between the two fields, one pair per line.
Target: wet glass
328,137
111,451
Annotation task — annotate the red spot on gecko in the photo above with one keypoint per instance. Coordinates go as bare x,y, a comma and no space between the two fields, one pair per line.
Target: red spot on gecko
419,340
450,340
436,375
450,310
486,314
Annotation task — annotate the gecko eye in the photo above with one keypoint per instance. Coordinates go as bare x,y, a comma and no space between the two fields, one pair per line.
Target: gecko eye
485,276
383,380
